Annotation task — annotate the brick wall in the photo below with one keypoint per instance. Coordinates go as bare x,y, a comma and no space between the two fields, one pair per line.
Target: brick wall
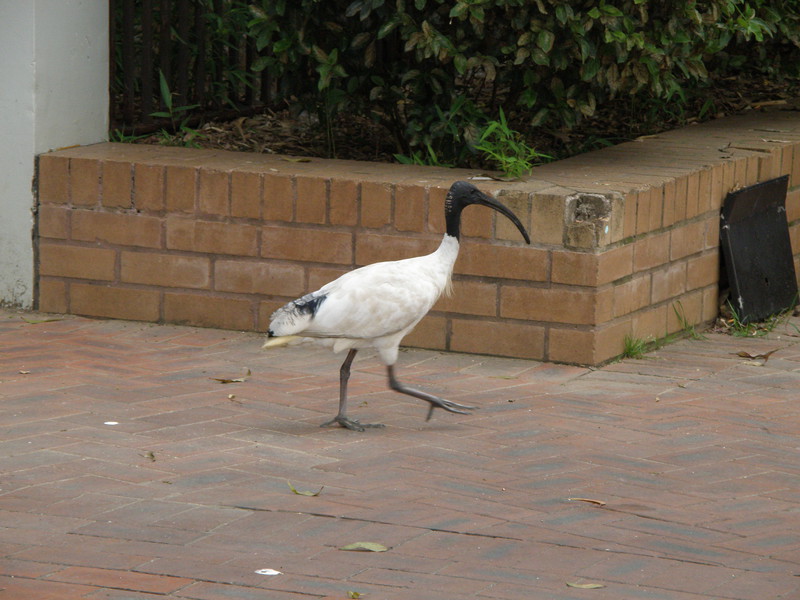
621,237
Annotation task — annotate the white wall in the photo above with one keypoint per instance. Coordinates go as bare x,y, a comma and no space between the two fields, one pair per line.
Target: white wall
53,93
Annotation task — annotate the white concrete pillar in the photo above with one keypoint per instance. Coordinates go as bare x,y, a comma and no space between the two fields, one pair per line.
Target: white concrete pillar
53,93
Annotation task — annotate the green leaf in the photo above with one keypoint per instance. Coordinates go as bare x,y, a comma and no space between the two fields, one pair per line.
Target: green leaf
304,493
364,547
545,40
594,13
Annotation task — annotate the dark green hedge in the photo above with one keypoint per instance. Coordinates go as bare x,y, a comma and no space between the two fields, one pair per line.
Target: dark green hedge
436,72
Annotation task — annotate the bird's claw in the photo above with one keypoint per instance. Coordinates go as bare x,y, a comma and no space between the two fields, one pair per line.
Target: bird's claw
449,406
348,423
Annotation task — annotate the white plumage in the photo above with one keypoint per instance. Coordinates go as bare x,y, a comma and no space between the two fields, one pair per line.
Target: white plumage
378,305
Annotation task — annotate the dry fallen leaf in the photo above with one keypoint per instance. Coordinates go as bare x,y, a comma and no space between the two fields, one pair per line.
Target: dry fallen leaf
37,321
589,500
585,586
235,380
300,493
765,356
150,455
364,547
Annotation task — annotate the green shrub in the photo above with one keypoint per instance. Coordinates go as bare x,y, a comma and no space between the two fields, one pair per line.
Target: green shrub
437,73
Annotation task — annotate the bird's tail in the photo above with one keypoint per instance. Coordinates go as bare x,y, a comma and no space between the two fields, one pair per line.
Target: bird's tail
280,341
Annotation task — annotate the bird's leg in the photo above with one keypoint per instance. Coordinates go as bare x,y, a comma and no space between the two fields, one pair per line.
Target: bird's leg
434,401
341,417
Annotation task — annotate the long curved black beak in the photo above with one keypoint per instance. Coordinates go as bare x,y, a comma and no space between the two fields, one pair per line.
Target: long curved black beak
487,200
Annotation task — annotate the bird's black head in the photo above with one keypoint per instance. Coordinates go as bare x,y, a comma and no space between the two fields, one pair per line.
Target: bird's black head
460,195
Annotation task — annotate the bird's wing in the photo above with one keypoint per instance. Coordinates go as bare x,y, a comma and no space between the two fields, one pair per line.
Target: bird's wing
374,301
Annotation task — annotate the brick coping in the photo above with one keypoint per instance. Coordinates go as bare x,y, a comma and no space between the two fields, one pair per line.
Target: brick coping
625,239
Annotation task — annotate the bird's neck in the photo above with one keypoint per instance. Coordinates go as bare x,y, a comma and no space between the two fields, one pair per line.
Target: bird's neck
452,218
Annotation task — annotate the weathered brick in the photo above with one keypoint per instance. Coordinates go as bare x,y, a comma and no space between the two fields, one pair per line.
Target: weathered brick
520,204
213,192
319,276
53,221
575,268
692,195
53,181
344,202
631,295
117,183
470,298
436,197
430,333
245,195
650,324
669,282
376,204
52,296
571,345
374,247
702,270
80,262
114,302
555,304
687,239
180,188
643,208
687,309
498,338
312,200
548,213
166,270
307,244
84,177
477,222
614,264
148,187
211,237
409,208
259,277
123,229
202,310
651,252
278,195
509,262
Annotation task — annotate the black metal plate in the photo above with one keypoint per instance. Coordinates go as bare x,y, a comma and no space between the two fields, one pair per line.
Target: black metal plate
756,250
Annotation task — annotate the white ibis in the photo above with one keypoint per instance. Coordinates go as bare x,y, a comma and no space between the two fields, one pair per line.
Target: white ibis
377,305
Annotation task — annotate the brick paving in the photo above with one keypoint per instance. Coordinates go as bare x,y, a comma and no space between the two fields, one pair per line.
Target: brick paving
693,451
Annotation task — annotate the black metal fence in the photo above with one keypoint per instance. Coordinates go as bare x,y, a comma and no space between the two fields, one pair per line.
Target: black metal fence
202,50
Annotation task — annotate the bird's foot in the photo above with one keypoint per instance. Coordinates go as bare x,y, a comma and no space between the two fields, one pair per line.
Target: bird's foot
448,405
352,424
